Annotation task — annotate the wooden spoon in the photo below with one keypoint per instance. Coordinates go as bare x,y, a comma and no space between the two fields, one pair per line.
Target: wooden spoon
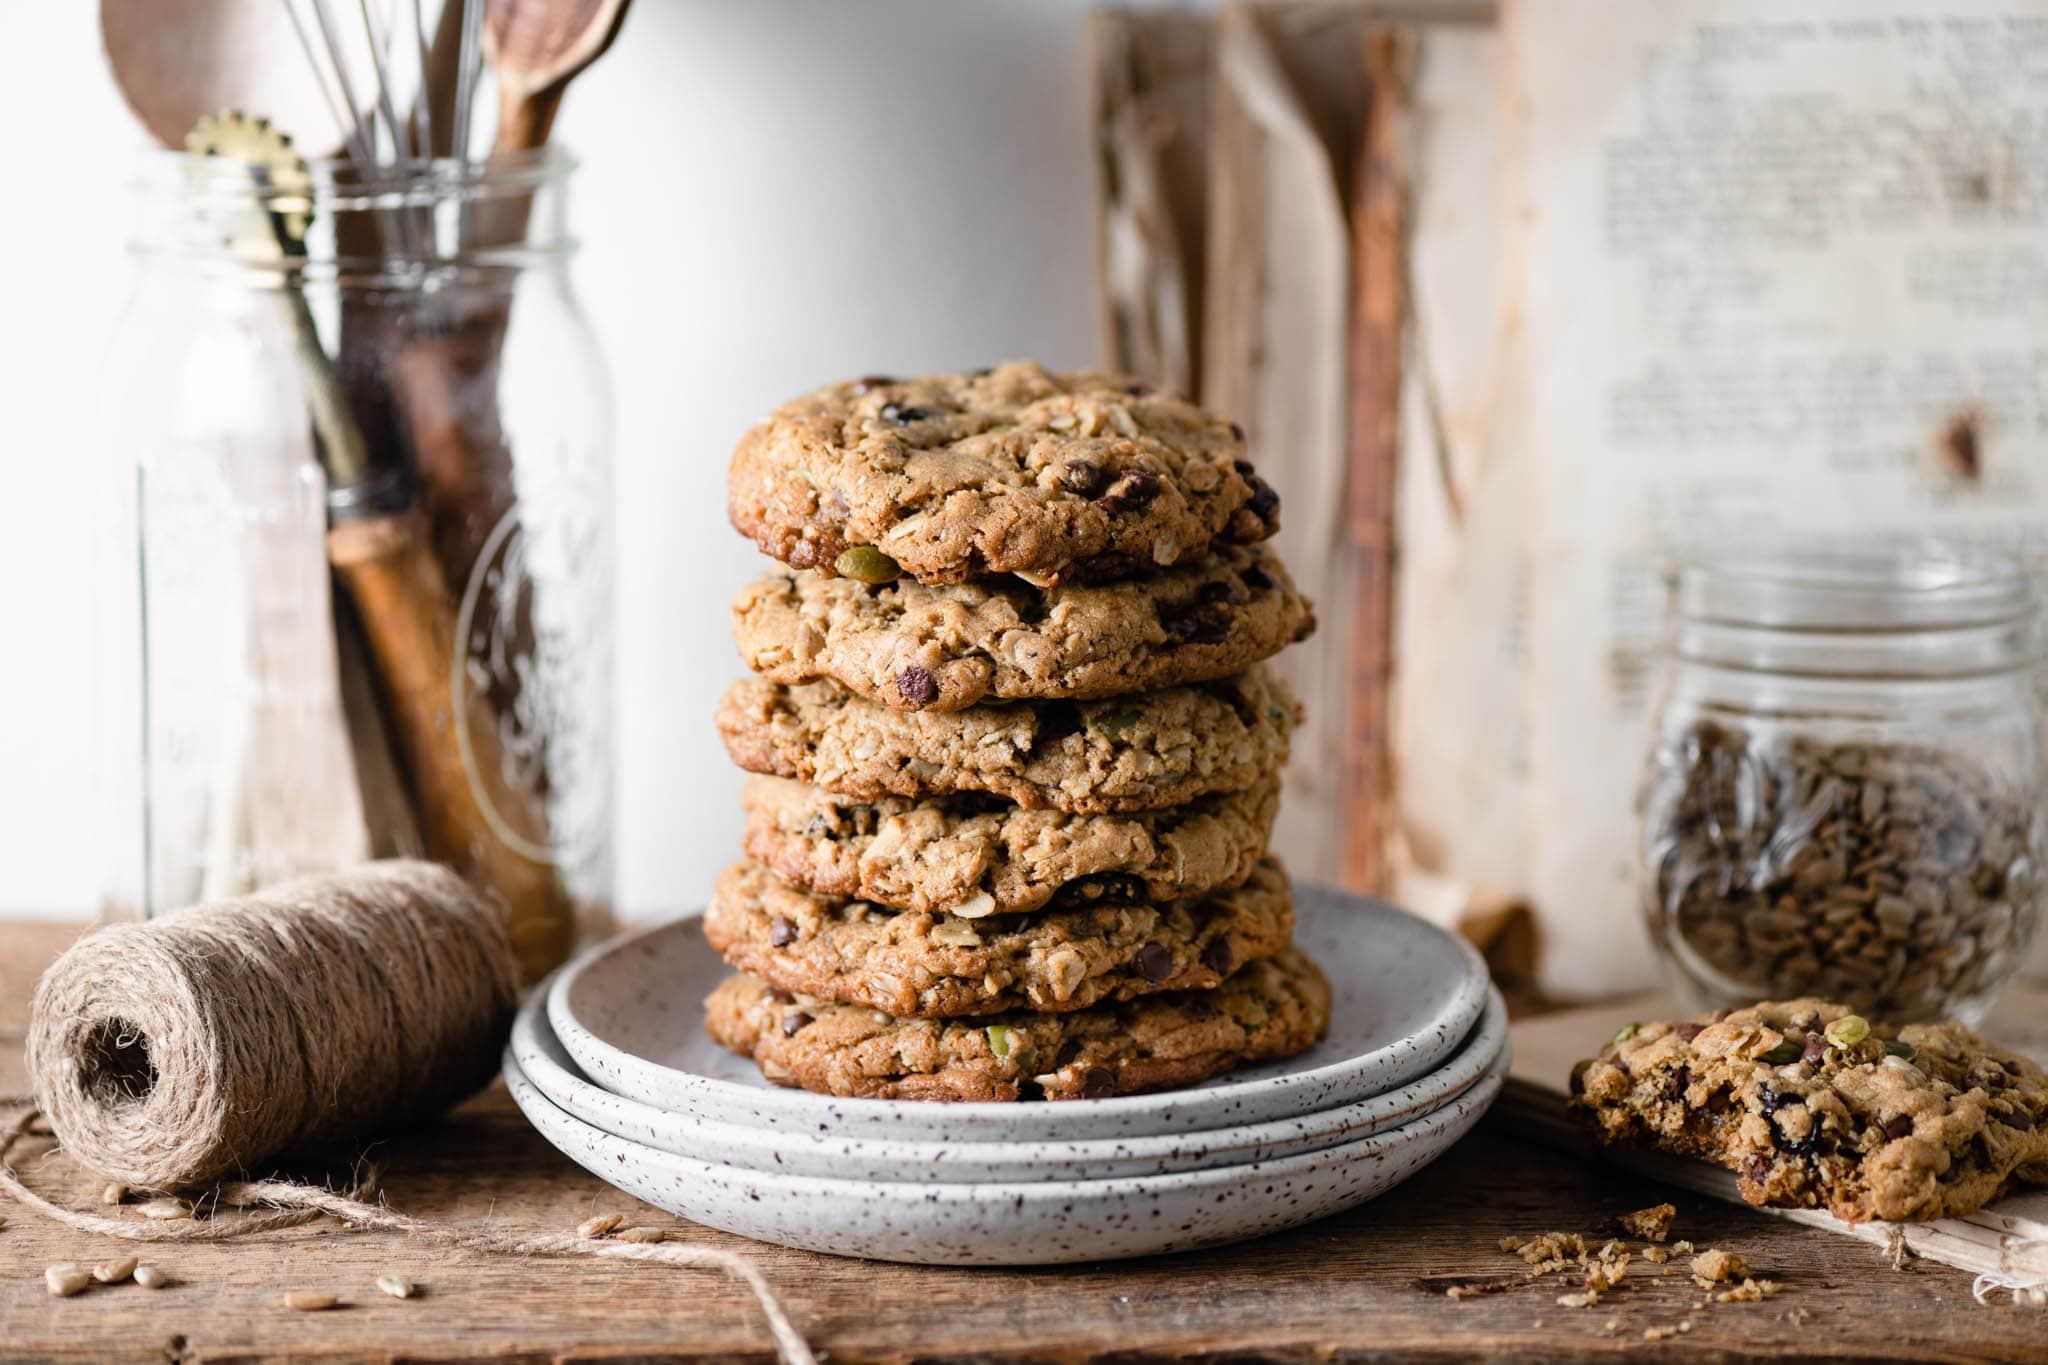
537,47
175,60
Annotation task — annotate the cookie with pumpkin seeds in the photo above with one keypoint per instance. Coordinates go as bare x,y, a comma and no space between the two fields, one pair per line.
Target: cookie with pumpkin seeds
1275,1007
1013,470
1144,752
975,855
942,647
932,965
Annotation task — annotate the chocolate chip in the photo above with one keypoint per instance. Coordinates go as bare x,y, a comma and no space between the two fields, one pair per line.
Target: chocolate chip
1218,591
1068,1051
2018,1118
793,1023
903,416
1226,692
1244,467
917,686
1056,721
782,932
1721,1016
1195,624
1620,1063
1687,1030
1898,1126
867,383
1757,1167
1816,1048
1264,501
1237,432
1676,1081
1155,962
1083,477
1257,579
1099,1083
1137,390
781,996
1218,956
1136,488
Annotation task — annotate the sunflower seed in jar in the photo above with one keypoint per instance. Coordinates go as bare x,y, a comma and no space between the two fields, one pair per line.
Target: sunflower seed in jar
1895,877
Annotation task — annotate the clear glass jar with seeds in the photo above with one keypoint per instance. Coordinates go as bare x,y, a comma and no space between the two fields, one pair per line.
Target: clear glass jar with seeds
1844,791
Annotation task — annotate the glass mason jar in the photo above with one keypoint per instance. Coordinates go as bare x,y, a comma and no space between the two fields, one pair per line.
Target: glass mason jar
356,565
1844,792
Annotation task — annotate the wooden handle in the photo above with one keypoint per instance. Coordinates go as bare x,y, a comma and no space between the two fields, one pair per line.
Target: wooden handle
402,597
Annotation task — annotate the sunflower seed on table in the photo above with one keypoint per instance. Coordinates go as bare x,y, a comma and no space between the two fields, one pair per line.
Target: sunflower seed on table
309,1301
643,1235
113,1272
165,1210
599,1225
65,1280
114,1194
397,1286
149,1277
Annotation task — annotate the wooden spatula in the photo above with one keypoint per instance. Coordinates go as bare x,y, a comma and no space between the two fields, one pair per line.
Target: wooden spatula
537,47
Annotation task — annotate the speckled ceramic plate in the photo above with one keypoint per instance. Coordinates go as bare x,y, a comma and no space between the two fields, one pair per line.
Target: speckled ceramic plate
536,1052
1050,1222
630,1013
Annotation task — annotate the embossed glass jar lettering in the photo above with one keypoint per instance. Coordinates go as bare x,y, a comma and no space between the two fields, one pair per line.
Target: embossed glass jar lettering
356,571
1844,794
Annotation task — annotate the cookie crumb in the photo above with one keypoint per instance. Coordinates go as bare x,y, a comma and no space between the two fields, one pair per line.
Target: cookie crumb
1656,1255
1665,1333
1718,1267
1652,1224
1751,1290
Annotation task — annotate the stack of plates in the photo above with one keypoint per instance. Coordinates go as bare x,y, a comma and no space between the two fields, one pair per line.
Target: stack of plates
612,1065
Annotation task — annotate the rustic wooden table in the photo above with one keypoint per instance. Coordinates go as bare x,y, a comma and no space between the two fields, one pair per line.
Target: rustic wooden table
1367,1285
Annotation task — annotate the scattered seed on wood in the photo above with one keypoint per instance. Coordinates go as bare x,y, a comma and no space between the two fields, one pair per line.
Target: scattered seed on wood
307,1301
113,1272
114,1194
598,1226
397,1286
65,1280
149,1277
165,1210
643,1235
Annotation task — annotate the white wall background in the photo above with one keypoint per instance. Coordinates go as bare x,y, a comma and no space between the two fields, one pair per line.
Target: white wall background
775,194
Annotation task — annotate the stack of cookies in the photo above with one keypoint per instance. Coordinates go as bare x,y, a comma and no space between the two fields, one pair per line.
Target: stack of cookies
1016,753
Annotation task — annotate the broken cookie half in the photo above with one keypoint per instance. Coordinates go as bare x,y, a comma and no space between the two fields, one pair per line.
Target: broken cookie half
1815,1107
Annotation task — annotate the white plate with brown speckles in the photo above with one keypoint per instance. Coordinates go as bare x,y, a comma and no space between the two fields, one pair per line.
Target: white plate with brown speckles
538,1055
1042,1222
1405,995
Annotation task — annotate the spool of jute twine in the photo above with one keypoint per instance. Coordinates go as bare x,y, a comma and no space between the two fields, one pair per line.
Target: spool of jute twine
322,1012
179,1050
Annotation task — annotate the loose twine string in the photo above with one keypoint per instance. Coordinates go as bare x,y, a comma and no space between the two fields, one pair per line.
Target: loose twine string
177,1053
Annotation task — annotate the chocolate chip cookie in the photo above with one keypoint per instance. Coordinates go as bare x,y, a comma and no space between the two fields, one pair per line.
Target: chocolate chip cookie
1010,470
1814,1107
978,855
917,646
1144,752
1274,1007
916,963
